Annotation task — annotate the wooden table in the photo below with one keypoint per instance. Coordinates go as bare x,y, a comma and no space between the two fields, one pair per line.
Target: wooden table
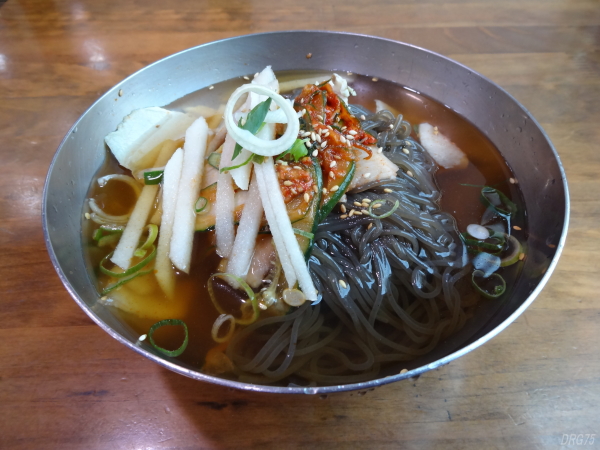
65,384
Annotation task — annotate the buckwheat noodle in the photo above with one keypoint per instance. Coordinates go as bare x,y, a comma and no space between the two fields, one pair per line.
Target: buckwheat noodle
388,292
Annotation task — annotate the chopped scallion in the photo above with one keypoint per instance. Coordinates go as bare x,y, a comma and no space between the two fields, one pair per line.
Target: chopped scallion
239,283
496,286
201,204
381,201
153,177
169,322
132,269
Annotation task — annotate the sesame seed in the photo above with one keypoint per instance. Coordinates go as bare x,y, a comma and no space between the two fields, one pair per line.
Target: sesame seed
308,55
391,125
318,136
353,132
362,117
87,216
387,191
210,88
331,174
343,284
377,205
306,197
305,133
512,180
332,164
356,204
297,167
344,128
326,134
325,191
435,130
375,79
357,213
337,157
343,198
343,139
366,200
245,77
349,137
370,226
521,256
380,149
367,175
352,212
262,306
315,153
517,228
287,183
324,144
349,73
316,189
343,208
409,173
104,298
330,128
142,337
304,111
256,74
403,371
120,92
405,150
284,163
364,205
344,216
313,136
319,116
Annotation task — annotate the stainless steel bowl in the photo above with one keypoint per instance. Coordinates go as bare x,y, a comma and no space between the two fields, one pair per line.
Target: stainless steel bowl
508,125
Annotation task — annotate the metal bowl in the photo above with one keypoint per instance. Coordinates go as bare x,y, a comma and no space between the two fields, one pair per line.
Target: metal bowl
513,130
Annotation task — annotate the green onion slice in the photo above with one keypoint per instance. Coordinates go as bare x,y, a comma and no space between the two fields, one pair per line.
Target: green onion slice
123,281
495,284
303,233
499,202
152,234
132,269
384,215
201,204
225,169
153,177
241,283
169,322
493,244
221,320
512,253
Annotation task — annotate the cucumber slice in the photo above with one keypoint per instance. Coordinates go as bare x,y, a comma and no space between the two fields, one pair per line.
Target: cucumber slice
309,222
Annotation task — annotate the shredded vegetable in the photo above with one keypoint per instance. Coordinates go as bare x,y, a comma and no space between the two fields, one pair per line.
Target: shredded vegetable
236,281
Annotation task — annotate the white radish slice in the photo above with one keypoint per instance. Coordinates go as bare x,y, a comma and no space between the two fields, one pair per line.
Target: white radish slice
253,143
442,149
135,226
188,191
165,275
138,136
281,221
278,239
245,241
225,203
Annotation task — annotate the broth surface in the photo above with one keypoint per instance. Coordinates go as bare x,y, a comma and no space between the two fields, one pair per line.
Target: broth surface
193,306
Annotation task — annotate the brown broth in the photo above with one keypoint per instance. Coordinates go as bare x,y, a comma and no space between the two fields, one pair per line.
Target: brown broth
486,167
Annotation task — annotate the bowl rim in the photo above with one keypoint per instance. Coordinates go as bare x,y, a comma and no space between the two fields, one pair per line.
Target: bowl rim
171,364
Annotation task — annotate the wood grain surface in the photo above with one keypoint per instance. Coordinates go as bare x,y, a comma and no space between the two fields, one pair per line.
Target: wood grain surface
65,384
